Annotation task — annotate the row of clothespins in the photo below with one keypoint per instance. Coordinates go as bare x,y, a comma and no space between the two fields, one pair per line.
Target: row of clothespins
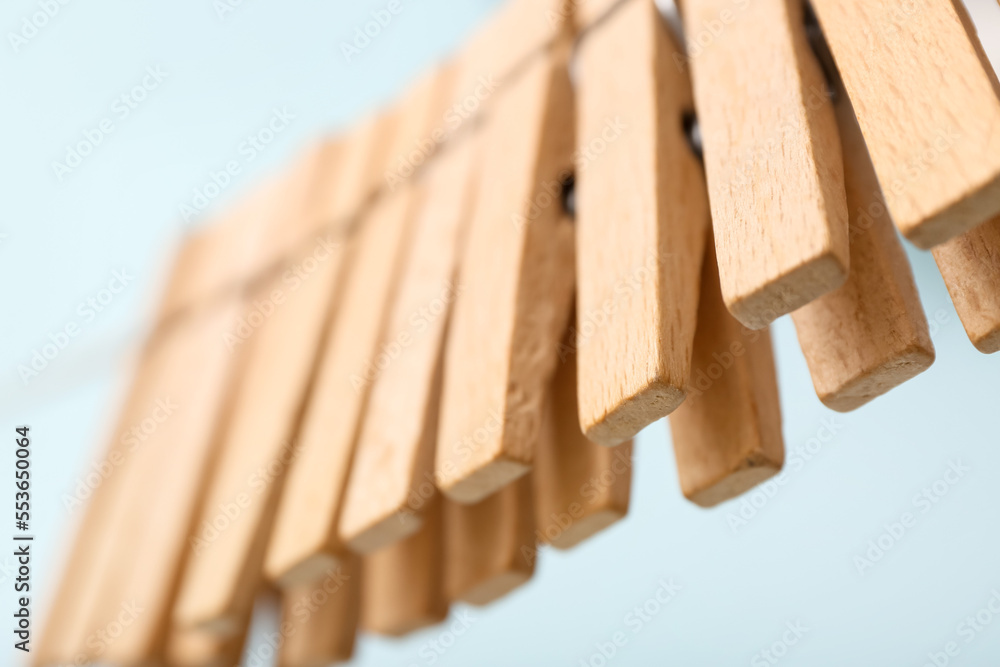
383,403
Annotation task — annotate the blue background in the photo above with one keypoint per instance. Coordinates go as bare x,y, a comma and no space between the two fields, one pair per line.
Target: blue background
792,561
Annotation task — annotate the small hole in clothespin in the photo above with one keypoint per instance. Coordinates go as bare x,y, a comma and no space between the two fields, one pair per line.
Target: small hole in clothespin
569,196
693,133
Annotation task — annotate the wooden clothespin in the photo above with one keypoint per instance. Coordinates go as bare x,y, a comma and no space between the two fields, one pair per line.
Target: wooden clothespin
772,156
289,311
870,334
490,545
166,437
305,542
970,266
403,582
727,434
319,620
392,476
516,270
581,487
641,219
928,103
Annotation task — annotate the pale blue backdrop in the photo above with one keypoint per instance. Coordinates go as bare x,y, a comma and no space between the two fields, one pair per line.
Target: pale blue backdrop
740,581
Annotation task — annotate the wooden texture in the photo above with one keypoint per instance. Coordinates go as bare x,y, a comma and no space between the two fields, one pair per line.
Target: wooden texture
772,156
513,36
191,384
516,275
63,638
308,186
970,266
158,532
581,488
425,127
388,148
928,104
319,620
305,542
587,14
283,332
214,256
402,586
869,335
727,434
217,261
197,648
642,212
173,465
364,154
392,474
490,545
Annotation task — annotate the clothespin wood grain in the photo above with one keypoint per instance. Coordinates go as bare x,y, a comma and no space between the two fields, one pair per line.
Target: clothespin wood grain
727,434
516,270
490,545
403,582
392,475
581,487
870,334
305,542
290,312
772,157
928,103
319,620
642,212
970,266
